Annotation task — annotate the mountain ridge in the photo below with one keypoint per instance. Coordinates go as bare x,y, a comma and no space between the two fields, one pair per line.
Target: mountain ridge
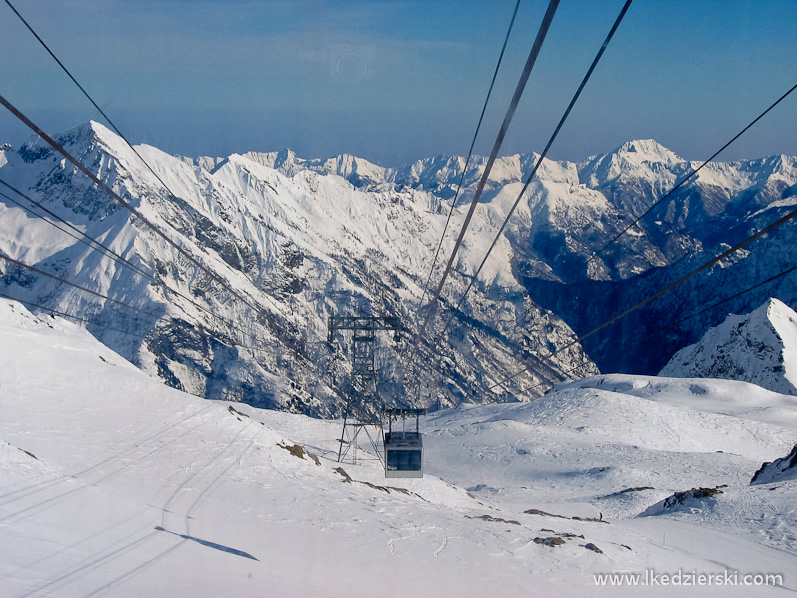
301,247
308,238
760,347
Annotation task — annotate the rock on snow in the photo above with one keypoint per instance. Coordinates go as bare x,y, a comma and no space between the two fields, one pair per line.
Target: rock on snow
779,470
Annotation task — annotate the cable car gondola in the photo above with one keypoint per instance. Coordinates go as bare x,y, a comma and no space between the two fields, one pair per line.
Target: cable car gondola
403,450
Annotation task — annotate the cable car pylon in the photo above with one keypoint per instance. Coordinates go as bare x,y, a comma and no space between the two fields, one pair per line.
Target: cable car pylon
363,406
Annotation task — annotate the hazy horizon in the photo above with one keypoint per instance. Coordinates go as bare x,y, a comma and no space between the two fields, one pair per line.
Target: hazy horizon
397,81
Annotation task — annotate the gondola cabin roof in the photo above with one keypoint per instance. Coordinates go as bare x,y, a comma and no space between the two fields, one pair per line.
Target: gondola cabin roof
407,440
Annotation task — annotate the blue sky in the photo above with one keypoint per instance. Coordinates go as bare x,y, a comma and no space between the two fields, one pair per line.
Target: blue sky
399,80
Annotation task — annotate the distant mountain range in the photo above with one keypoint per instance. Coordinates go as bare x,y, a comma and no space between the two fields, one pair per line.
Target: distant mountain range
305,239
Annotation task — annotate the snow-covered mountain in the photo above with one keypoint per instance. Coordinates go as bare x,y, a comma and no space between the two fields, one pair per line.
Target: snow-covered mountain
113,484
304,239
760,347
300,246
573,209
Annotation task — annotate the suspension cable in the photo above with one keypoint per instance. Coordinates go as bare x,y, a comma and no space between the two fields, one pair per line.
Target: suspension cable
100,247
781,221
670,192
521,85
118,330
668,327
77,234
691,174
90,99
542,156
201,330
213,275
11,260
467,160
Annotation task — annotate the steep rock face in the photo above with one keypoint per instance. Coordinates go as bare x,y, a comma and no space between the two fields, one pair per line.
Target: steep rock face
568,268
760,347
574,209
779,470
298,243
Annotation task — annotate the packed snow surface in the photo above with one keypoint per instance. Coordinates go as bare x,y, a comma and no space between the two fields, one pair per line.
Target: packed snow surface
112,484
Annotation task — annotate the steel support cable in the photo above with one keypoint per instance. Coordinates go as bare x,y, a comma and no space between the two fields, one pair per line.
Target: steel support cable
135,151
124,138
66,315
86,239
669,326
679,184
524,77
118,259
544,153
689,176
150,314
781,221
213,275
70,316
90,99
77,286
63,230
78,234
467,160
683,181
56,312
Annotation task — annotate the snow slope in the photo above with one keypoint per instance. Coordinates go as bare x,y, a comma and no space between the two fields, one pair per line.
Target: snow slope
760,347
114,485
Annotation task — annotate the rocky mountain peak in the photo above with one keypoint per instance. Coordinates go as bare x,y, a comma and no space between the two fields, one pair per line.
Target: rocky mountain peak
760,347
647,150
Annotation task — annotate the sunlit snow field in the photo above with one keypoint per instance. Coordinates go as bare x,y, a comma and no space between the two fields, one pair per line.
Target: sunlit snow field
112,484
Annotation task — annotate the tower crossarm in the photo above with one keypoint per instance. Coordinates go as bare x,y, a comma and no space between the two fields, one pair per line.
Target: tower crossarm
363,323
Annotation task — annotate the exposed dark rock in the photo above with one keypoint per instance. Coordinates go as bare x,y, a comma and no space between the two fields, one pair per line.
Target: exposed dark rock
29,454
777,469
341,471
628,490
237,413
590,519
294,449
543,513
680,498
494,519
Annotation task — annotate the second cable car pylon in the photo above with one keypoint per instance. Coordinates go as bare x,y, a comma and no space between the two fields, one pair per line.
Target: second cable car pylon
362,404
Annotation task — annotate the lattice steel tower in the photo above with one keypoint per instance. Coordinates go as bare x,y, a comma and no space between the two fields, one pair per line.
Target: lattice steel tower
362,405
